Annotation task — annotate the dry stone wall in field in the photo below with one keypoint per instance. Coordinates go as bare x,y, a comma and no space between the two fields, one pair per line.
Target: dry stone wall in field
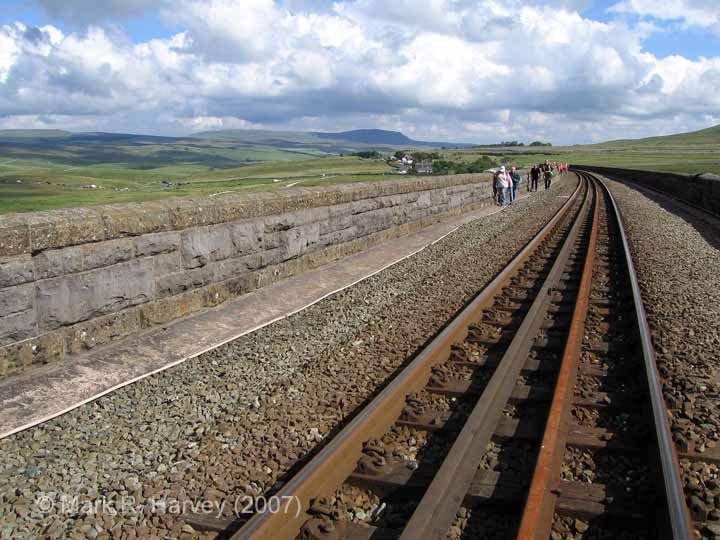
71,280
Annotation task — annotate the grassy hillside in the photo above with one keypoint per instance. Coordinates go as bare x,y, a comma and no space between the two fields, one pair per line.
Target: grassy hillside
46,169
340,142
299,142
702,137
32,133
694,152
42,170
33,184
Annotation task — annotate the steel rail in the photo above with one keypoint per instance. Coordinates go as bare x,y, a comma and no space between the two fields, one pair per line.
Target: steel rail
678,513
438,507
326,471
537,518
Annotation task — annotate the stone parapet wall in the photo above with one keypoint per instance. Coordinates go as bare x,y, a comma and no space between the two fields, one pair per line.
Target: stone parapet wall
74,279
701,190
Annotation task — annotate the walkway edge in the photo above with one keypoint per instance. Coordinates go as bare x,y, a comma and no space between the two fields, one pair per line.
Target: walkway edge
13,424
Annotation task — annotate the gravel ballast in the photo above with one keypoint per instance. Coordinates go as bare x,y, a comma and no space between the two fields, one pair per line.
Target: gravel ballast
234,420
677,258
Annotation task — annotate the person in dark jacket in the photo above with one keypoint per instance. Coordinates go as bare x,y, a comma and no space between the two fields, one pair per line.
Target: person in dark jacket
495,184
516,179
547,174
534,177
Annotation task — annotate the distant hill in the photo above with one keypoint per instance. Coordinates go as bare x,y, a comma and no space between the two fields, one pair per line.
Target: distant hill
311,143
59,136
371,136
709,135
33,133
359,139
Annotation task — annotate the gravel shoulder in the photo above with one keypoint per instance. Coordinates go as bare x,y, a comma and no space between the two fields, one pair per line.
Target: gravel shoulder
235,420
676,252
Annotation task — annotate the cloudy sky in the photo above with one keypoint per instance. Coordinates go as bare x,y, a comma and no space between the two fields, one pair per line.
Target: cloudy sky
568,71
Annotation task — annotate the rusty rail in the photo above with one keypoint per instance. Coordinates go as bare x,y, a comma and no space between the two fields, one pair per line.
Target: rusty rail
536,522
337,460
679,516
440,503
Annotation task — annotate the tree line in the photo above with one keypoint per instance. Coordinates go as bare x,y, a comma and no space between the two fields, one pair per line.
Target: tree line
443,166
514,143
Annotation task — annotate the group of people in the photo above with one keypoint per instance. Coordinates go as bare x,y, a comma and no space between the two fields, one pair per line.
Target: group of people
506,183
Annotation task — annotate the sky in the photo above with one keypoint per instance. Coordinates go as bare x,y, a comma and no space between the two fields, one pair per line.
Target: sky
482,71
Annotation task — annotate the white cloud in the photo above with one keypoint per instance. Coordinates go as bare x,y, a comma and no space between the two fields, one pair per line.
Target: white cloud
456,69
697,13
207,123
8,54
230,30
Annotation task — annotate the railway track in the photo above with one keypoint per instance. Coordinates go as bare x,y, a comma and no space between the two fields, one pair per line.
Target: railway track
536,413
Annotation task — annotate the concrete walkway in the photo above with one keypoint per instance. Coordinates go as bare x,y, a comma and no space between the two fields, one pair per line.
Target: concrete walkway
48,391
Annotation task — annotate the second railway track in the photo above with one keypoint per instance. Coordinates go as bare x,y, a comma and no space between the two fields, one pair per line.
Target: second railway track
536,413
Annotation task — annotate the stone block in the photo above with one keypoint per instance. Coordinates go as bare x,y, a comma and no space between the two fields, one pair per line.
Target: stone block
62,228
167,263
338,237
15,358
14,236
16,270
246,237
363,206
298,240
157,243
424,200
161,311
185,214
272,256
400,199
89,334
375,220
16,299
168,309
202,245
54,262
48,348
230,268
135,219
182,281
17,326
217,293
71,260
335,223
282,222
70,299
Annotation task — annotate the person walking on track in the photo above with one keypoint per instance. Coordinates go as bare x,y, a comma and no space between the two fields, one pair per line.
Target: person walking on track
547,174
534,177
516,179
499,186
504,186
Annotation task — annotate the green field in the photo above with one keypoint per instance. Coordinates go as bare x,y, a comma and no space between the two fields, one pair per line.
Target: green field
26,185
696,152
54,169
45,170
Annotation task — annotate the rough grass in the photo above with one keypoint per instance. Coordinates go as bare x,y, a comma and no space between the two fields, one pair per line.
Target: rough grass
696,152
54,171
27,187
